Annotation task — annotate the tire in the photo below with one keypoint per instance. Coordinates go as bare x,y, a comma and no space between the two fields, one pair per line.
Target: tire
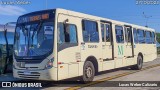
139,64
88,72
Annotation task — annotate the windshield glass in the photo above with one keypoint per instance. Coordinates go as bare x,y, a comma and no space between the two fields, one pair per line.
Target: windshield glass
34,39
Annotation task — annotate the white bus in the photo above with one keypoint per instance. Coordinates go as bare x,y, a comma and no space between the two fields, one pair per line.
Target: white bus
60,44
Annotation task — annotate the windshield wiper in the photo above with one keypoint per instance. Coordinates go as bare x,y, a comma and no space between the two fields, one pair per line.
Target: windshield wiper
38,27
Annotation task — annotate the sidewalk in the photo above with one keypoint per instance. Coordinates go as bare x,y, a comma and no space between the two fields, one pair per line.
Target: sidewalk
8,77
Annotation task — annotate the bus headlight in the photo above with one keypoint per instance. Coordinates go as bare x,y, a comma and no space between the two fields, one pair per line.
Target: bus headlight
49,64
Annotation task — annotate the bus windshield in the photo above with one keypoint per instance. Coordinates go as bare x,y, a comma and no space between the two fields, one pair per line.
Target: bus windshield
34,39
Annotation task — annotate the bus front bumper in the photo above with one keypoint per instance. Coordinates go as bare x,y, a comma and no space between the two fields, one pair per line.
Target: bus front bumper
46,74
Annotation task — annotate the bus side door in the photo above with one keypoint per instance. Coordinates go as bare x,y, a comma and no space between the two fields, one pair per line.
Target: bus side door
129,47
119,46
107,46
68,47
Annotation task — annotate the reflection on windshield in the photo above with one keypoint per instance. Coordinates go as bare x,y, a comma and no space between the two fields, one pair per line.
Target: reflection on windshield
34,39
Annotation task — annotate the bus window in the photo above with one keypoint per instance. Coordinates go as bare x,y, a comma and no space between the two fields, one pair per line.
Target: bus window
119,34
128,34
135,35
148,37
61,38
90,31
141,38
67,33
105,29
72,33
153,38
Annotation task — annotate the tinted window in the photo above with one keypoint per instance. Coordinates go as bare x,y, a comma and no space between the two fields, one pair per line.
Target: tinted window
135,35
141,38
128,34
67,33
61,33
148,37
119,34
73,33
153,37
105,30
90,31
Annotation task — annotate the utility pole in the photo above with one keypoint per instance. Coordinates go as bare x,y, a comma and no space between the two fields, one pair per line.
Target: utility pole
146,17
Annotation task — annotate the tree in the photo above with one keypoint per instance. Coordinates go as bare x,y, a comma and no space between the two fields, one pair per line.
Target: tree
158,37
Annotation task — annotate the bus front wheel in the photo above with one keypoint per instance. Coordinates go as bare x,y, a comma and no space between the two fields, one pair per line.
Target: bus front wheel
139,64
88,72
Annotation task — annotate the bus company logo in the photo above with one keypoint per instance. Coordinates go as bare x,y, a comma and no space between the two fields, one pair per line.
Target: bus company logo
120,50
6,84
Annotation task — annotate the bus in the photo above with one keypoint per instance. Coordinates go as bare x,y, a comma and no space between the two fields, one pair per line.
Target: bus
59,44
6,47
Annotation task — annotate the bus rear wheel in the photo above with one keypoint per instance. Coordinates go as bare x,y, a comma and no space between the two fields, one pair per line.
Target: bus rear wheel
88,72
139,64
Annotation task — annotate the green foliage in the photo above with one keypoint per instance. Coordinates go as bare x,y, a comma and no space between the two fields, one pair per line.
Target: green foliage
158,50
158,37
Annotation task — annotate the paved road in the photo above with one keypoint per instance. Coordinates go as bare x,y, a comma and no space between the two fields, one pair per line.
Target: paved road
152,74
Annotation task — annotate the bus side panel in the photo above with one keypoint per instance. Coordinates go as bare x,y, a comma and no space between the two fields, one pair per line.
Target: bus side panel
151,52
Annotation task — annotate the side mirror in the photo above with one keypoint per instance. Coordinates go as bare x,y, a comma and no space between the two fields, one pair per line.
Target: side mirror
0,53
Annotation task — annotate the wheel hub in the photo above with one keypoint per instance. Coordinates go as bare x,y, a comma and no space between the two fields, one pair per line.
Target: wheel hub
88,72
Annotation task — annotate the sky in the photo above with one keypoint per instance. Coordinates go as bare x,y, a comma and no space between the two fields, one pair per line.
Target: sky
121,10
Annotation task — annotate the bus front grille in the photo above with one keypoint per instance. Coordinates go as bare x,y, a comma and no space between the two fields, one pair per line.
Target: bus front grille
32,75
